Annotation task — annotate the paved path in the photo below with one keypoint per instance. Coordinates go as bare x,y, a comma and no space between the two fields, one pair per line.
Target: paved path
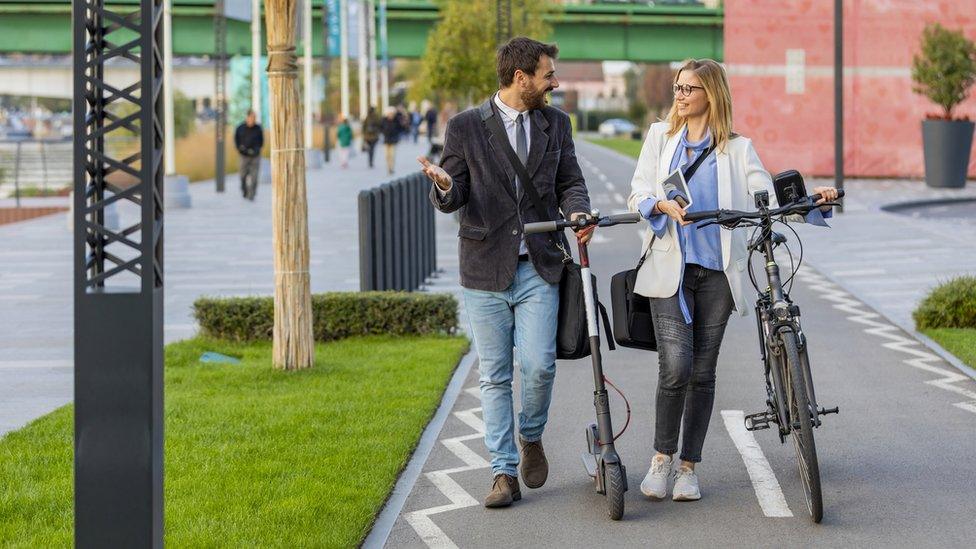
220,246
893,462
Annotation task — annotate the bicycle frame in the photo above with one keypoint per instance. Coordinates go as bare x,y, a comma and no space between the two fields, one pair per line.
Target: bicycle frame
776,315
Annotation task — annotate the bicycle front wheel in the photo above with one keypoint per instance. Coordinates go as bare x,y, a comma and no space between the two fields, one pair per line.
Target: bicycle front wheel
801,418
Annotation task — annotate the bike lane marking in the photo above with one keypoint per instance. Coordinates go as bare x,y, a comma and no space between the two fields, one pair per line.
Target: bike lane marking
421,520
764,482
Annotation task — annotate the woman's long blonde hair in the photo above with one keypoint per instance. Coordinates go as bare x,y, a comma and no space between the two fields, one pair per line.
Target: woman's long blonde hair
716,85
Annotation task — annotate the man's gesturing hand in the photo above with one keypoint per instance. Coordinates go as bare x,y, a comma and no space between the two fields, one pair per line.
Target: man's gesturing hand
435,173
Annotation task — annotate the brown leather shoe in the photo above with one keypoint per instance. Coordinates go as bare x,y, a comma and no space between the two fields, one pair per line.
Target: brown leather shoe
534,466
504,491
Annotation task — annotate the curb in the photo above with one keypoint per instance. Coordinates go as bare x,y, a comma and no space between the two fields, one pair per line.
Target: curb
910,330
611,152
404,485
907,205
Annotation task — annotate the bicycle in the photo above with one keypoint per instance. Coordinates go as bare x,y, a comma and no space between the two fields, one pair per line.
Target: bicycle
601,459
791,402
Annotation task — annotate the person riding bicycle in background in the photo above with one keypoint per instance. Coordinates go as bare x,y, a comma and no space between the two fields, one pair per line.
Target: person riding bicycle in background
248,140
693,277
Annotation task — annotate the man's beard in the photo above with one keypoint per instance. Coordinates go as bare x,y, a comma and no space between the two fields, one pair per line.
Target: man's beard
534,100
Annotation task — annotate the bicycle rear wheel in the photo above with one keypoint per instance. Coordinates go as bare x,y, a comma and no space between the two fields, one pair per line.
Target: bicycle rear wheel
802,429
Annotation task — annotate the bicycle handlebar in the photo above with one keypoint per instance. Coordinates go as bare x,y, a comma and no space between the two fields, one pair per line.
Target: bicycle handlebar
728,216
560,224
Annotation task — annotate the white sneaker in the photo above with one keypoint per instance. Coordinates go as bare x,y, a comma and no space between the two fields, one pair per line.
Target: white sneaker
686,485
655,483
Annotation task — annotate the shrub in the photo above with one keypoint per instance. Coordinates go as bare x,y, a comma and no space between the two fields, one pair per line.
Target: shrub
335,315
945,68
950,305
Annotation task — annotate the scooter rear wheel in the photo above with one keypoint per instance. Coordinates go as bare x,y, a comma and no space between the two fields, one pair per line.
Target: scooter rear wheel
614,484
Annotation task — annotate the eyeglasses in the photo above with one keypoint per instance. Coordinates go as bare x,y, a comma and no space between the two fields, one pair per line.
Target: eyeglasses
685,89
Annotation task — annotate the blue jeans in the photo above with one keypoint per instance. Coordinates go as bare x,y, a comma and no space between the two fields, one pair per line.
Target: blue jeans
524,317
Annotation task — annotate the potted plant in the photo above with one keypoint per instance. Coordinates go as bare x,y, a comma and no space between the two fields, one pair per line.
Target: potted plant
943,71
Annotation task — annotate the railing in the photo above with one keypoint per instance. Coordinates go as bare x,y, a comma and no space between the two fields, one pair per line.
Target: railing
44,165
397,239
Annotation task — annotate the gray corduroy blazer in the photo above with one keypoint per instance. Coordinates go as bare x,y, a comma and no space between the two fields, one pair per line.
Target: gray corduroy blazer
491,214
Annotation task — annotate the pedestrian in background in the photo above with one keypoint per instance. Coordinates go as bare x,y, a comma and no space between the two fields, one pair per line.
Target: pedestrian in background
415,120
392,128
248,140
431,118
372,126
344,136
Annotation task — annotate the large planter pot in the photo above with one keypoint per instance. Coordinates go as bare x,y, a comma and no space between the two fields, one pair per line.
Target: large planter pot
947,144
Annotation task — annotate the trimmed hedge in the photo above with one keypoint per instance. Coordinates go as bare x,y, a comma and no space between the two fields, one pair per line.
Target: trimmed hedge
335,315
950,305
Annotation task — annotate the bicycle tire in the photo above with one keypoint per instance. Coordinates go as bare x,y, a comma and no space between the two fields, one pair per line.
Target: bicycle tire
803,443
614,483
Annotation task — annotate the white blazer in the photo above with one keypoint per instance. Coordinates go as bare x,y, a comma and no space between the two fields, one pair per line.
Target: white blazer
740,174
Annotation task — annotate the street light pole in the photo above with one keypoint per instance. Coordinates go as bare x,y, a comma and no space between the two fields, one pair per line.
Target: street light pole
328,14
839,96
256,58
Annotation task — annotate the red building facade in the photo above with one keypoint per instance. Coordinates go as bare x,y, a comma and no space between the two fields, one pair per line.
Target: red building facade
779,55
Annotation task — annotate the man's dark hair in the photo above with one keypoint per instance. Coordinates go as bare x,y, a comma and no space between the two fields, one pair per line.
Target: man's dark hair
520,53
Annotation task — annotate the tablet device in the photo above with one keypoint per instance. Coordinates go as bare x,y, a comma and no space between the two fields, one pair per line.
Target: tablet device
676,188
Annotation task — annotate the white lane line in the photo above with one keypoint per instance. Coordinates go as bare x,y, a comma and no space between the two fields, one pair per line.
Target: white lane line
877,326
860,272
619,198
764,482
420,520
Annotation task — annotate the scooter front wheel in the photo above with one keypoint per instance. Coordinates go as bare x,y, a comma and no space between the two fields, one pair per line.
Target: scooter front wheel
614,484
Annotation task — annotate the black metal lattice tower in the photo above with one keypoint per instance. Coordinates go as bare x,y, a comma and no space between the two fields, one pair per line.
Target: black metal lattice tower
118,275
220,91
503,21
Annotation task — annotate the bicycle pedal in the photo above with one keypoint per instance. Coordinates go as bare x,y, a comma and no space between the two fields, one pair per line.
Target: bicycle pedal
824,411
759,421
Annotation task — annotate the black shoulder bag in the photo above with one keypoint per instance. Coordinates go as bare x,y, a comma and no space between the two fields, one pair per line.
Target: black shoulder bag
632,325
572,338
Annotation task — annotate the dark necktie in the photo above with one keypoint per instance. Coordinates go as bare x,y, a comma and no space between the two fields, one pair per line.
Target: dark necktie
521,149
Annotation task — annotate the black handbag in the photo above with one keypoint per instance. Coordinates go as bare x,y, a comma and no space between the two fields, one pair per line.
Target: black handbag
632,323
572,336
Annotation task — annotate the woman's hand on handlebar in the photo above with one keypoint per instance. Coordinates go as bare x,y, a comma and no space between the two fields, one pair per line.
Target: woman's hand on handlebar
827,194
585,234
672,210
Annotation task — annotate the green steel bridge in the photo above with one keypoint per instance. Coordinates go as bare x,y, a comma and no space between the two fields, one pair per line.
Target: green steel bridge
594,32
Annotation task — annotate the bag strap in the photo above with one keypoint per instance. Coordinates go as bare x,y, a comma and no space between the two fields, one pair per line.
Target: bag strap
502,138
690,170
606,326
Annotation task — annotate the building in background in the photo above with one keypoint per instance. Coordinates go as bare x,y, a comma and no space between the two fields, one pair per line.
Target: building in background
780,53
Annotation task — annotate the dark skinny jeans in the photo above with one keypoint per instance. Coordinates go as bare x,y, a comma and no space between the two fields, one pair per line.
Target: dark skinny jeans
688,355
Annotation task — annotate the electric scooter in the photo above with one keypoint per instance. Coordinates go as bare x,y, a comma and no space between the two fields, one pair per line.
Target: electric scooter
600,458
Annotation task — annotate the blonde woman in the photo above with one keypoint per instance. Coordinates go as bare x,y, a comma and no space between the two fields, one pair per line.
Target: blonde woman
693,277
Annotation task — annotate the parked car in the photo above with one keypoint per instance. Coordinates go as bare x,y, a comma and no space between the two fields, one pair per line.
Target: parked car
616,126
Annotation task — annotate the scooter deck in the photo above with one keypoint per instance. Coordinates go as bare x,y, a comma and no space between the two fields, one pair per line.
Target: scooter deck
589,463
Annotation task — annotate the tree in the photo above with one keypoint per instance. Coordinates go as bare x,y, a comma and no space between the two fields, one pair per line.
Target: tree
945,69
459,62
294,346
636,108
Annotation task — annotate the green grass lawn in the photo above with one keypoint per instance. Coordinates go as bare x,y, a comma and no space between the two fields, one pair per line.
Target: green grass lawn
625,145
958,341
254,457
